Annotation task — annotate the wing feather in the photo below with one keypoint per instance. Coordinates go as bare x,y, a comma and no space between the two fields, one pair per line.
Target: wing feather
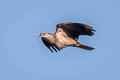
75,29
49,45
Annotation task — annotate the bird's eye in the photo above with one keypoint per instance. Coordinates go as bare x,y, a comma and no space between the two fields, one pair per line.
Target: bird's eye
43,33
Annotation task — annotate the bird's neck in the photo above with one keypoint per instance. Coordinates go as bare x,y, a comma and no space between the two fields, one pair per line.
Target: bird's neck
52,38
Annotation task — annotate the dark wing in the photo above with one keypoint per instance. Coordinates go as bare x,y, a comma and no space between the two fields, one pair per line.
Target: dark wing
75,29
49,45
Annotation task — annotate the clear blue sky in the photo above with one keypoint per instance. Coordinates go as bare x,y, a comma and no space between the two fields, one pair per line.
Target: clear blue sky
24,57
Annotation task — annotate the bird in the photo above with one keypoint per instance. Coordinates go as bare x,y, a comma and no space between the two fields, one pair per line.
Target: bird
67,34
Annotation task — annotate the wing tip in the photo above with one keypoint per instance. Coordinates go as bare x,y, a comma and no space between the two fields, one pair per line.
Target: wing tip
91,31
50,46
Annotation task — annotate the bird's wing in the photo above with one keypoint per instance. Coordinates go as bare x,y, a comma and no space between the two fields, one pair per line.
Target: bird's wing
49,45
75,29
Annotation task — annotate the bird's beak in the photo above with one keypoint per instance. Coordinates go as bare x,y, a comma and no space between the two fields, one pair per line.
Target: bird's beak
40,35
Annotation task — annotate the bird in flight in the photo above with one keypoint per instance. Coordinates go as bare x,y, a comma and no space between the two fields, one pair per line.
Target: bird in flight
66,35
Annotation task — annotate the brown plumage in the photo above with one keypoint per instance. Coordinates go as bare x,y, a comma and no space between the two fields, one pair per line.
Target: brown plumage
67,34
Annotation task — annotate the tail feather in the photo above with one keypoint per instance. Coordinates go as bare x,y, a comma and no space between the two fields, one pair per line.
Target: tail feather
84,46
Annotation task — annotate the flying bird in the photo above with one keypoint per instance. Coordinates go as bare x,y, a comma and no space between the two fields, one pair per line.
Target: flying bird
66,35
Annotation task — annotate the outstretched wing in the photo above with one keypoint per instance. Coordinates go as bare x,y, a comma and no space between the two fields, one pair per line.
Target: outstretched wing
49,45
75,29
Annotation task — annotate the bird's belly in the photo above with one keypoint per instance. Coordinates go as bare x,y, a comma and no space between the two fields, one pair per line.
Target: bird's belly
64,42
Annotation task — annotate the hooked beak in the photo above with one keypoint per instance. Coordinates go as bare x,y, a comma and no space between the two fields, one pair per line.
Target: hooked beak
40,35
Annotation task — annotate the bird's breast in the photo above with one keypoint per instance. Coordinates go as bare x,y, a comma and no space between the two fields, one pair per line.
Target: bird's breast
63,41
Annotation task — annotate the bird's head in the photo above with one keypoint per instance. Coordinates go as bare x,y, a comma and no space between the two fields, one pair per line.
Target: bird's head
44,35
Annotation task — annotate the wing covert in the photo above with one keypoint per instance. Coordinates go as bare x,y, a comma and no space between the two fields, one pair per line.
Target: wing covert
75,29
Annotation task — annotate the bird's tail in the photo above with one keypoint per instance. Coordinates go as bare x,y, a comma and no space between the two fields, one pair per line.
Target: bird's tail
79,45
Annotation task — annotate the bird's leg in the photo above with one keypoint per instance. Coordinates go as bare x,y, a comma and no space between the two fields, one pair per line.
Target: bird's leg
77,44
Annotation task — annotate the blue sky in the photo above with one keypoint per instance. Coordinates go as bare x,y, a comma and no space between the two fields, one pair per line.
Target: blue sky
24,57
